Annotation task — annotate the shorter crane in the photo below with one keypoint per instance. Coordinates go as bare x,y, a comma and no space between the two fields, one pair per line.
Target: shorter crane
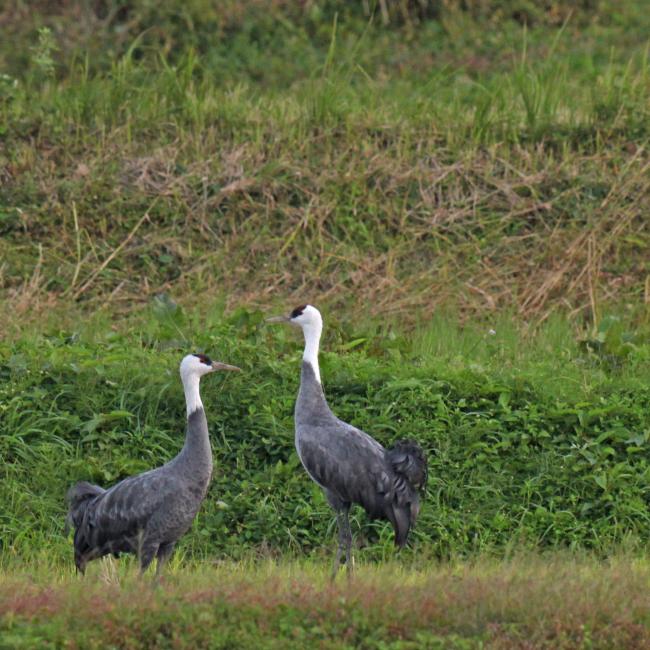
148,513
347,463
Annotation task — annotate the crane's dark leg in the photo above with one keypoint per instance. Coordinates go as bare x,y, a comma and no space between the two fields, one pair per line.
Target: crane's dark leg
164,553
146,556
342,509
345,537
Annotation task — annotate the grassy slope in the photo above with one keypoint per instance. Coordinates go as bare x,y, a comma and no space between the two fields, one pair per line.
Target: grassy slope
252,156
386,167
485,605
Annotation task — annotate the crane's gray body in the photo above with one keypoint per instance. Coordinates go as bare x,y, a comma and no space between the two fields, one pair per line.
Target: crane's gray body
148,513
352,467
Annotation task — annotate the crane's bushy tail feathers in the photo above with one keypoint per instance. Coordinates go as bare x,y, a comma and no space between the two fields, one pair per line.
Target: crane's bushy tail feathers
77,498
408,460
409,463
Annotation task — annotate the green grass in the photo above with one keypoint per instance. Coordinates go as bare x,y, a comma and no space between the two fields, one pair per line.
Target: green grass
557,602
413,166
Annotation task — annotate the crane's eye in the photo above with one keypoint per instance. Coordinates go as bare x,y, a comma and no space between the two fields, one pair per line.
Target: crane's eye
204,359
297,311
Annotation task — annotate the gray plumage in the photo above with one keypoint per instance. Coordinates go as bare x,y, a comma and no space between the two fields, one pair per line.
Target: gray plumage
148,513
351,466
145,514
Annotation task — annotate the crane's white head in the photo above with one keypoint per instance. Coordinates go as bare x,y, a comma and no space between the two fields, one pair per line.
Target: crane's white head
193,367
305,316
197,365
309,319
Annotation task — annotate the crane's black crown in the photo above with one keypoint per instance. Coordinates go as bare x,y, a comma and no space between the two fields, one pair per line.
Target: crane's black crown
204,359
297,311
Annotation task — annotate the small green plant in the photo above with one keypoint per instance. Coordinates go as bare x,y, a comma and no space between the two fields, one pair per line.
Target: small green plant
8,87
613,341
43,55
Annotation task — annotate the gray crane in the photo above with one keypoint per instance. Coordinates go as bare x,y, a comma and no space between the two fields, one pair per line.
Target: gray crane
148,513
351,466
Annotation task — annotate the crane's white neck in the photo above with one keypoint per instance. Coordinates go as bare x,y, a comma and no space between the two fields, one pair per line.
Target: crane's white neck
192,395
312,331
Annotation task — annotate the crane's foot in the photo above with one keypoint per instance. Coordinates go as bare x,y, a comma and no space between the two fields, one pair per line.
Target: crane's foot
337,564
349,568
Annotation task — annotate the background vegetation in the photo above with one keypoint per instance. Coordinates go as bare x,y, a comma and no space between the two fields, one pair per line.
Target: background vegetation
405,156
461,187
532,440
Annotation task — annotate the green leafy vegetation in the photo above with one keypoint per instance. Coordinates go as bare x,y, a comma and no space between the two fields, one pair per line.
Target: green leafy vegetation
533,439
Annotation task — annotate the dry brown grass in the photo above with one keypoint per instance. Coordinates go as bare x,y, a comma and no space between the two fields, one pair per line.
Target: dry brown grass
398,235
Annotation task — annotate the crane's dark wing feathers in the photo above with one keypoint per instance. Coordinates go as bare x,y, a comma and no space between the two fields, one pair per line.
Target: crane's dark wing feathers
347,462
408,460
78,498
147,513
156,503
355,468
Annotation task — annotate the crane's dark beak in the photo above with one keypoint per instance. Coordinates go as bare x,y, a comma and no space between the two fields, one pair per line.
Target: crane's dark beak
217,365
277,319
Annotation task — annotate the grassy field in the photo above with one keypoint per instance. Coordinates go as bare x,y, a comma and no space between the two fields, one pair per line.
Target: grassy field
555,602
461,187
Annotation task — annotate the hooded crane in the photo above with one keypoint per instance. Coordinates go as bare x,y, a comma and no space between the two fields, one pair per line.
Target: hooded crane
347,463
148,513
